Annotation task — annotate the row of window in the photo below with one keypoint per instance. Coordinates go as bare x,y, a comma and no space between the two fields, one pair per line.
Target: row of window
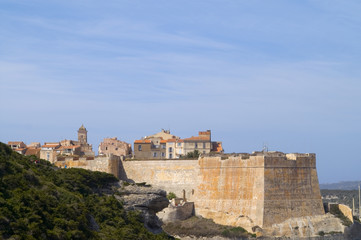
155,154
170,149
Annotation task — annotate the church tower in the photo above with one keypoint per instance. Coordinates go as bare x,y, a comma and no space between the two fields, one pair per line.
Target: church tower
82,135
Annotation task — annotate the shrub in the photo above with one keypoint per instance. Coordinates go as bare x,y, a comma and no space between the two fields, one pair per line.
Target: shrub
171,195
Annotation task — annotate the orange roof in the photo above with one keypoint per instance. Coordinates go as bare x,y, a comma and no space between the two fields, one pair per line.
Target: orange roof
200,138
32,151
16,142
142,141
50,145
163,141
19,149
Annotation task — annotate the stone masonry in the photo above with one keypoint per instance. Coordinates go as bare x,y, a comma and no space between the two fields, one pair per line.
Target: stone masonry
248,190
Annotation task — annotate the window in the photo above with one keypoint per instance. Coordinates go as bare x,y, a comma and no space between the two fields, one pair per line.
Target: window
204,145
170,149
170,155
163,154
139,147
179,144
47,156
163,146
116,148
154,154
195,145
106,148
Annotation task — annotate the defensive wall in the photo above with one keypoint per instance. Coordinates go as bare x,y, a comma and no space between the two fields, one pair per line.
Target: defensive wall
110,164
246,190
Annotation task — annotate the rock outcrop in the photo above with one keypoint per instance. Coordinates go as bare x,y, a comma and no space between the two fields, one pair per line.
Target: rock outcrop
147,200
304,227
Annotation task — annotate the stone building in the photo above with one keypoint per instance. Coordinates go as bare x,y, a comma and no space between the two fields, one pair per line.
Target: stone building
115,147
85,149
164,145
48,151
153,146
16,145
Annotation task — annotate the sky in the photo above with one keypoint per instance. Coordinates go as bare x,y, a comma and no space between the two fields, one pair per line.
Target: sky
285,74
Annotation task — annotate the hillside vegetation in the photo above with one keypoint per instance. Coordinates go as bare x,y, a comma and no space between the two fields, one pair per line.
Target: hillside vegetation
39,201
347,185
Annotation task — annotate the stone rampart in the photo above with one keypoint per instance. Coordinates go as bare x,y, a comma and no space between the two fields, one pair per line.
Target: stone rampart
243,190
110,164
170,175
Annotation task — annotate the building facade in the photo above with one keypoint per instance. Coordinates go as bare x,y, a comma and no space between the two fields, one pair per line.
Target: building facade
115,147
164,145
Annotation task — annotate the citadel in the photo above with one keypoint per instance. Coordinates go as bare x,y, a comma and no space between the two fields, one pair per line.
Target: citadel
270,192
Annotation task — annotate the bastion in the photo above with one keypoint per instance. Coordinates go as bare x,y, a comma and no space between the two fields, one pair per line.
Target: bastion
247,190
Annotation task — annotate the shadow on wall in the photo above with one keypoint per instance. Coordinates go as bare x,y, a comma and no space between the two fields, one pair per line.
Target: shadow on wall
122,174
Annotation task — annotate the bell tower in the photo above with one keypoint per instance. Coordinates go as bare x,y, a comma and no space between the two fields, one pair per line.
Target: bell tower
82,135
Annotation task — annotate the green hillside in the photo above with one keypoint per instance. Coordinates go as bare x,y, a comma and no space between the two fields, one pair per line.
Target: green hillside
39,201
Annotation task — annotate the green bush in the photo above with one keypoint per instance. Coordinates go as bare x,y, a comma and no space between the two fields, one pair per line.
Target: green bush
171,195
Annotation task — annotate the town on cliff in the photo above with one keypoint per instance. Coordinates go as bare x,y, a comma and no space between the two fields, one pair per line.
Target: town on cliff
162,145
267,193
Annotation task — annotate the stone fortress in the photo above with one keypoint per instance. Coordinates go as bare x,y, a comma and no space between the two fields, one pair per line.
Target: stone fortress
262,190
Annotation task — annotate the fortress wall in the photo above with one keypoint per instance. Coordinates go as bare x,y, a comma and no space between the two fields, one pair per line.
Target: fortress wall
291,188
245,190
109,164
230,191
170,175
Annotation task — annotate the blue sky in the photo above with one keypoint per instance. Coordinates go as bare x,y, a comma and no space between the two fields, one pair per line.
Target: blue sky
285,73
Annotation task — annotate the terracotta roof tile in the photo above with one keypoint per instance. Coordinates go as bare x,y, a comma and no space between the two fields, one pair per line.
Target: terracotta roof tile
50,145
15,143
142,141
32,151
200,138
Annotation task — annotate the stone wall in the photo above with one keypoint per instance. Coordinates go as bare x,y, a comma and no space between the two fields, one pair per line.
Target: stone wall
244,190
170,175
291,188
110,164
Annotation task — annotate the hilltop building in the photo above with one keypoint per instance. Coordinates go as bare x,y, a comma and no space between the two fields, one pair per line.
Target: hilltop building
16,145
115,147
22,148
164,145
48,151
51,150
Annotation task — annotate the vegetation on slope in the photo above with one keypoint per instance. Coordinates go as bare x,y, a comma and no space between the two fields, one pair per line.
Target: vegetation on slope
39,201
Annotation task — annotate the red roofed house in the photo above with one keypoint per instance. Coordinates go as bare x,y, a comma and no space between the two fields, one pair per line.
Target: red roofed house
154,146
16,145
163,145
202,143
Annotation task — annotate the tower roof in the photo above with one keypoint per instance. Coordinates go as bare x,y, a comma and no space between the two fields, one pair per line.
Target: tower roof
82,128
